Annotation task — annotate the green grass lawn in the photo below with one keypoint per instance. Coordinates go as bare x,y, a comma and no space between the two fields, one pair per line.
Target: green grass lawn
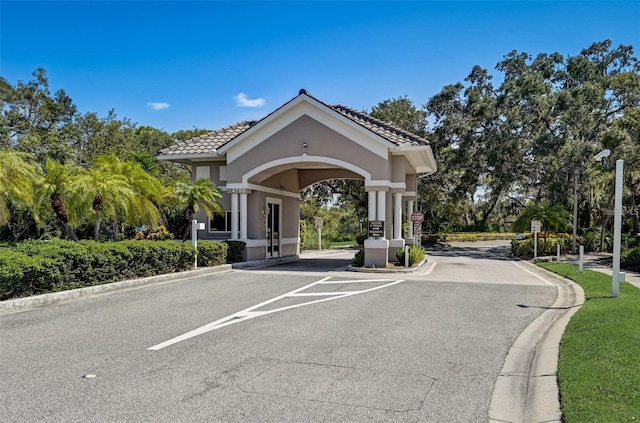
599,362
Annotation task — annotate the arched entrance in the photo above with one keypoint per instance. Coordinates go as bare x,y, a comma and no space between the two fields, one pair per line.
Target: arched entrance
262,166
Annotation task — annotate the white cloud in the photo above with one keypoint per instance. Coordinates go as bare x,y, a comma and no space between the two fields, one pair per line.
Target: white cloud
158,106
242,101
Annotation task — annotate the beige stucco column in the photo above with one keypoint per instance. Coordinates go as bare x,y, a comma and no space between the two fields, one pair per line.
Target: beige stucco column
235,224
243,215
397,241
410,237
372,205
397,215
382,210
376,250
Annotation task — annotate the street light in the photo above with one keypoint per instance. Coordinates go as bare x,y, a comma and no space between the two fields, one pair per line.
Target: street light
617,221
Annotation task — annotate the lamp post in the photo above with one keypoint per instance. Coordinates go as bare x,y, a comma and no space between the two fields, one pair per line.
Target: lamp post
617,229
617,221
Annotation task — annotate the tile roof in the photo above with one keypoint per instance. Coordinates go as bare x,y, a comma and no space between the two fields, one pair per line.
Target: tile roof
209,142
385,130
212,141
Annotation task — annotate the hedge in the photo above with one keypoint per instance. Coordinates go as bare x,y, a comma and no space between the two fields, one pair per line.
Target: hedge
212,253
35,267
235,251
416,255
549,247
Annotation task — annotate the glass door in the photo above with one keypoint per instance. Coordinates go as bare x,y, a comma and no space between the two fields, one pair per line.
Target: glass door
273,230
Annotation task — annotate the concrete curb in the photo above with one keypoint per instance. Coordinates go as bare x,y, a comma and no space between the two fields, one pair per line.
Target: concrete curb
264,263
351,268
27,303
527,387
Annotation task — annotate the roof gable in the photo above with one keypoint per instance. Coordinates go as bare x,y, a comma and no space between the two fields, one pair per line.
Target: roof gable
223,140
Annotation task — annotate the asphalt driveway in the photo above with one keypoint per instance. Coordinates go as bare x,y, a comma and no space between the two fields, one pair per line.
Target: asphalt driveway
420,347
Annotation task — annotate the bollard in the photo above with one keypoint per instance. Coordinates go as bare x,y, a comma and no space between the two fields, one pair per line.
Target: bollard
406,256
581,262
558,254
194,241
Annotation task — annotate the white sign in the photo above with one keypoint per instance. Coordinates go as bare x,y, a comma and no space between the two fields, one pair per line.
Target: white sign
318,222
536,226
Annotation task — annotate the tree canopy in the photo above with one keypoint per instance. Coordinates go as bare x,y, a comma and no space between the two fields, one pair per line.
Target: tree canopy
503,139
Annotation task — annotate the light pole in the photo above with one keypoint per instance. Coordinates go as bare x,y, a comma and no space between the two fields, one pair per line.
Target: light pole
617,221
617,229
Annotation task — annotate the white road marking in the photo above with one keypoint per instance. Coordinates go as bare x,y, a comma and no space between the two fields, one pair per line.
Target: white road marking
249,313
430,269
531,273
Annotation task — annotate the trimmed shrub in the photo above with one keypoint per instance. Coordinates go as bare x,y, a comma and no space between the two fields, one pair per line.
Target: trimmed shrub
630,259
524,247
358,259
235,251
154,233
416,255
35,267
212,253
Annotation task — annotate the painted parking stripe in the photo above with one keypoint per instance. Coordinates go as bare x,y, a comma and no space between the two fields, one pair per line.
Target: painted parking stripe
250,313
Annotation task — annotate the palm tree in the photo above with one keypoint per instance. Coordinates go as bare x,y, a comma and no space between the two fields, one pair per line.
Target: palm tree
121,190
195,196
17,175
553,217
56,186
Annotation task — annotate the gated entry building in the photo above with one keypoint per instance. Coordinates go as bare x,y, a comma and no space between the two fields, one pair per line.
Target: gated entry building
261,166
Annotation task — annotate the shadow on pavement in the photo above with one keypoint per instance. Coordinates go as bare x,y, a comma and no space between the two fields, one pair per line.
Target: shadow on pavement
319,265
474,251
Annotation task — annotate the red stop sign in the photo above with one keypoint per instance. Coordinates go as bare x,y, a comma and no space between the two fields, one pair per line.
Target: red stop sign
417,217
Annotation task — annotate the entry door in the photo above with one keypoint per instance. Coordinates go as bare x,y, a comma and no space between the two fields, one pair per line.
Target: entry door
273,230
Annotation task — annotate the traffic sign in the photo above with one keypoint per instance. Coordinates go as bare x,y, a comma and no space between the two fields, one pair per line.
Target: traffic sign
536,226
417,217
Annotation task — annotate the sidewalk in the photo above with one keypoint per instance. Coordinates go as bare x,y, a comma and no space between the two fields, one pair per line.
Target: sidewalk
601,262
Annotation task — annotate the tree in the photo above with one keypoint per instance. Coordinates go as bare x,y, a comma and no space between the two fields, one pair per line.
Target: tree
38,122
17,175
194,196
553,217
120,191
401,113
56,188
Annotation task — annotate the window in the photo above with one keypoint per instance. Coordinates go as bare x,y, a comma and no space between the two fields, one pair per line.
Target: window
220,222
203,172
223,173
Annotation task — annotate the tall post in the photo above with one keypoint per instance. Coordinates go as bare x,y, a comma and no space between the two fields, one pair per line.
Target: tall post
575,211
409,211
617,229
194,241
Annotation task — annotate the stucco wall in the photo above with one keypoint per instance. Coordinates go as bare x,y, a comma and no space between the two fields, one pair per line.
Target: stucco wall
320,140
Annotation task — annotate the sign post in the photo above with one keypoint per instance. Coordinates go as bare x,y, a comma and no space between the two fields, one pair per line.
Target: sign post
195,227
417,217
318,223
536,226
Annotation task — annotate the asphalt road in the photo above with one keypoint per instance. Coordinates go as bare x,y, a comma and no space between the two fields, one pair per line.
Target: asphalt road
370,348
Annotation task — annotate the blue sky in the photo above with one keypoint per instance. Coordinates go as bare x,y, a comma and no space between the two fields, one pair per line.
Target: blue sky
208,64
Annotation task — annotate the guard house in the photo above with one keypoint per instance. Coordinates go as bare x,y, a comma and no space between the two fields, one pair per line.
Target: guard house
261,166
